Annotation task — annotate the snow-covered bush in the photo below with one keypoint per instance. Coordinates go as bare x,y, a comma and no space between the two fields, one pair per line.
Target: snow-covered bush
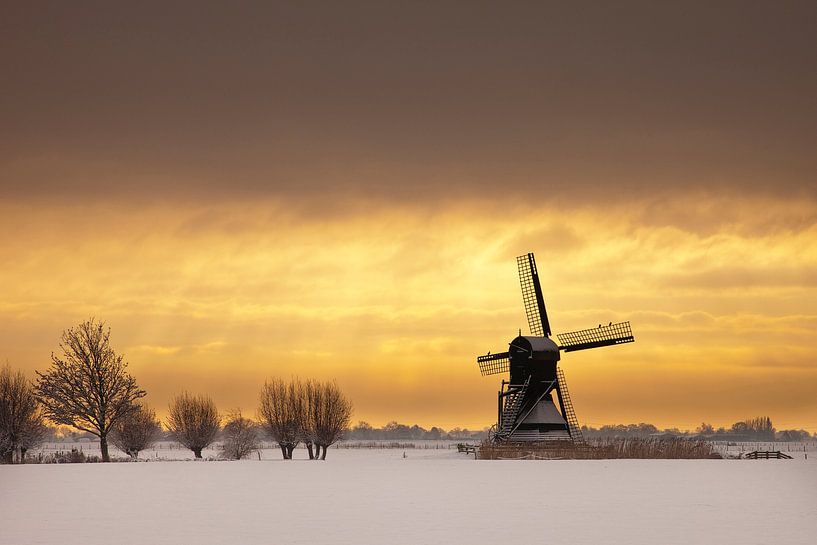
240,437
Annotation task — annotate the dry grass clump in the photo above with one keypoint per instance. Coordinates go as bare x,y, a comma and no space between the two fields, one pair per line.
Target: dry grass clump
601,449
655,448
62,457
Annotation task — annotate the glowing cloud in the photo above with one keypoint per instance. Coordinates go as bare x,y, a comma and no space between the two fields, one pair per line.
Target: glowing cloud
397,303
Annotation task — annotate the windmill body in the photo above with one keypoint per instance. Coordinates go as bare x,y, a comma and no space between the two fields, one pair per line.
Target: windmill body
527,403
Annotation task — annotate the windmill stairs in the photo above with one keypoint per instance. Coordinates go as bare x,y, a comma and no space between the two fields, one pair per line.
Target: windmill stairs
510,408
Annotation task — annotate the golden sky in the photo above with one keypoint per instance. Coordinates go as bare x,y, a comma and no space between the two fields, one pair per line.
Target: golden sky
271,191
397,303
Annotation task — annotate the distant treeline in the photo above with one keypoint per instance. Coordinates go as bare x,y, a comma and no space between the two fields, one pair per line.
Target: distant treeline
753,429
360,431
396,431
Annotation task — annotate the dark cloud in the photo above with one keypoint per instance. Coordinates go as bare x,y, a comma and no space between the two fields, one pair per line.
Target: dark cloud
407,102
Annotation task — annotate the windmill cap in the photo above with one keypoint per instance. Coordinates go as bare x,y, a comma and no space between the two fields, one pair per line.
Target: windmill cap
535,345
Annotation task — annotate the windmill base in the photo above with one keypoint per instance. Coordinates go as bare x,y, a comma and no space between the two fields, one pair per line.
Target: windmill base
536,436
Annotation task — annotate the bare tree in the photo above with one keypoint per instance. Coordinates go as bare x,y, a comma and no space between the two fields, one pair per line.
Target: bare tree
88,387
34,433
240,437
21,421
333,415
281,412
193,421
310,393
316,413
136,431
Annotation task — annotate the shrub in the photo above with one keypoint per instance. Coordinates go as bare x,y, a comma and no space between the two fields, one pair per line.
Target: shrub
240,437
136,431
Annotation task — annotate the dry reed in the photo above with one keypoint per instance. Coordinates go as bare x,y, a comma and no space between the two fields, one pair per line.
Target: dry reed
601,449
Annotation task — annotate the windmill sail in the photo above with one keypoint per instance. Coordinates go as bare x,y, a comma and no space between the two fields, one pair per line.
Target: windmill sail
532,296
493,364
607,335
567,409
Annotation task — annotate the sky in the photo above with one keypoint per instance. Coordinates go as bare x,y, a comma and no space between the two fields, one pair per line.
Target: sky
330,190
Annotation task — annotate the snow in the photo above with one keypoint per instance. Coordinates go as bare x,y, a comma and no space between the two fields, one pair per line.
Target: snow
430,496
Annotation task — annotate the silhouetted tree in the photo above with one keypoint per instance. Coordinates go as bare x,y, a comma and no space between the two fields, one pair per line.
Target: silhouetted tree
21,421
332,417
313,412
88,387
240,437
363,430
705,429
281,412
395,430
193,421
136,431
793,435
761,427
309,393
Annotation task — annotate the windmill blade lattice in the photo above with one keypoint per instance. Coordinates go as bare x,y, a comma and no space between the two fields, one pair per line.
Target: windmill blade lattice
493,364
532,296
607,335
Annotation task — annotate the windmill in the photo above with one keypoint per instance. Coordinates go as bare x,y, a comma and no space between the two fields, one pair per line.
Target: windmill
525,407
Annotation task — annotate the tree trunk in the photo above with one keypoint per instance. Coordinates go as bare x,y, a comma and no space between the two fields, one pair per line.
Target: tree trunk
283,451
323,456
103,446
290,448
197,452
23,455
309,449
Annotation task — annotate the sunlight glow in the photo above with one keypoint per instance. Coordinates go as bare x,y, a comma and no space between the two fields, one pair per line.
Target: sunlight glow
396,304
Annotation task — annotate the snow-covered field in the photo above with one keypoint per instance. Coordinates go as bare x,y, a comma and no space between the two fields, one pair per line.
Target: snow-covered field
795,449
431,496
170,450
